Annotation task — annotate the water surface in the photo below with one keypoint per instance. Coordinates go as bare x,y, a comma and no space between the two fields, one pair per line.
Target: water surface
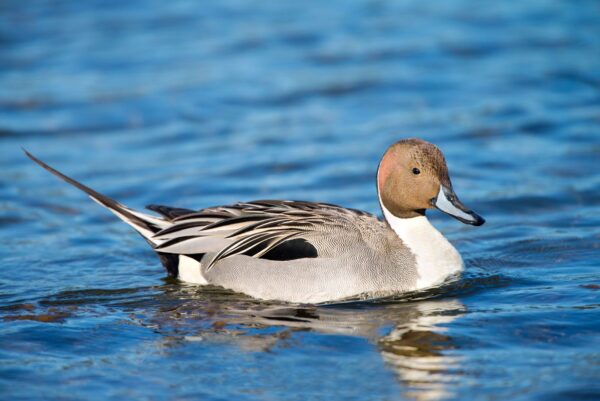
197,104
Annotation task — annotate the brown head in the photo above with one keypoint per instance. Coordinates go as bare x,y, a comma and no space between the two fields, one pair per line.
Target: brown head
413,177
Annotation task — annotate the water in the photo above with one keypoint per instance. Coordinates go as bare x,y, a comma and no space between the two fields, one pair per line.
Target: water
196,104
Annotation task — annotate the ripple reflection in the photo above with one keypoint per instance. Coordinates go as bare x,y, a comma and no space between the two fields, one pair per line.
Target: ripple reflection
410,336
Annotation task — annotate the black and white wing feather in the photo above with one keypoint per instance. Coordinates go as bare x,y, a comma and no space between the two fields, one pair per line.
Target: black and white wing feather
252,228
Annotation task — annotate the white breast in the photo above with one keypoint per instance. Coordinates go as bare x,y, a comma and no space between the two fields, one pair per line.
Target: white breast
436,258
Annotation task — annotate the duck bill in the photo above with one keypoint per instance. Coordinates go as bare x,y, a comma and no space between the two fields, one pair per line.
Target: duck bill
448,202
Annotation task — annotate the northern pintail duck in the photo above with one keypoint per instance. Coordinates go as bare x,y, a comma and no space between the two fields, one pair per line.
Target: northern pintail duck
309,252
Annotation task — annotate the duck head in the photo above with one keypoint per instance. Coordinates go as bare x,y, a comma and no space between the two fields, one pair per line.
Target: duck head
413,177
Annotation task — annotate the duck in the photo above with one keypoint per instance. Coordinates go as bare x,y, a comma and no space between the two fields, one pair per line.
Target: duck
312,252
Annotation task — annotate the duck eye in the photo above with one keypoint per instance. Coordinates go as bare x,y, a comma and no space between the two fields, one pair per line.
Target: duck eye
416,171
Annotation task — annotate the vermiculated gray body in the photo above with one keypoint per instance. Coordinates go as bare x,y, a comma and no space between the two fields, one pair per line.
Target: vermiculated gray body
364,256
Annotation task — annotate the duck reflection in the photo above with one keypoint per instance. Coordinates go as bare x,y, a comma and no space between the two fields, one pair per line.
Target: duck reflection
409,335
415,349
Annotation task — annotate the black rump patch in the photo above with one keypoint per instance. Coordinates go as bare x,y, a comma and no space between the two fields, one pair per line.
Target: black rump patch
170,262
293,249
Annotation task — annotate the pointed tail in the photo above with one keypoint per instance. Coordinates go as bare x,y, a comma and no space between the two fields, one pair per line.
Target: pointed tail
145,224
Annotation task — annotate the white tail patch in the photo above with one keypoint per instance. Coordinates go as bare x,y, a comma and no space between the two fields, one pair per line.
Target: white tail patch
190,270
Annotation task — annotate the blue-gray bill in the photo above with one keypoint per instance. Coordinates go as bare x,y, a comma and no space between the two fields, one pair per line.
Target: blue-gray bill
448,202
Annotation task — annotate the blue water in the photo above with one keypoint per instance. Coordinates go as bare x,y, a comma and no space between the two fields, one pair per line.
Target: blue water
195,104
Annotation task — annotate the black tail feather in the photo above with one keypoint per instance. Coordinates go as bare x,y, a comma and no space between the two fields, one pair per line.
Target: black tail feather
102,199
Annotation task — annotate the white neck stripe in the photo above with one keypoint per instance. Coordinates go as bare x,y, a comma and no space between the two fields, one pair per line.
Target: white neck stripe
436,258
